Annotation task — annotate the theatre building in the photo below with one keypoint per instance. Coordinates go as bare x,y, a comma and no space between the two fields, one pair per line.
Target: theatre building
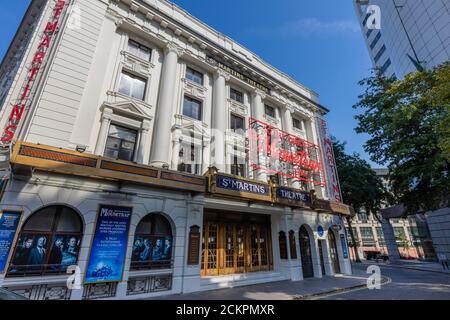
146,154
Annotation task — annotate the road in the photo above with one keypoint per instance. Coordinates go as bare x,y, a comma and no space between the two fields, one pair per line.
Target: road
403,284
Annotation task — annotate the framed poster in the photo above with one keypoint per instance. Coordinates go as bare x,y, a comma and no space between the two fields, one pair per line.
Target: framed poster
9,222
109,244
344,246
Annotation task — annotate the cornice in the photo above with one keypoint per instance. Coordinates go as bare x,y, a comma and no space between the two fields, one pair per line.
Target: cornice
152,13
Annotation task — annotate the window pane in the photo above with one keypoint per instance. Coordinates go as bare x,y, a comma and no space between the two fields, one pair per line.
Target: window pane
236,95
121,143
237,124
161,226
133,47
270,111
297,123
138,89
126,151
69,221
125,84
122,133
194,76
192,108
41,221
139,50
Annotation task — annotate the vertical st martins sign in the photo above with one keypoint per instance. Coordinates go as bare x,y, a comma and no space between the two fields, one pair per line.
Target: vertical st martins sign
41,55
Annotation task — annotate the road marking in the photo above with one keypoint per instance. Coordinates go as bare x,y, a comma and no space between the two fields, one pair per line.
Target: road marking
386,280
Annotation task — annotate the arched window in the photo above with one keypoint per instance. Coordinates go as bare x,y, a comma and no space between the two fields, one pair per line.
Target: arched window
49,242
152,246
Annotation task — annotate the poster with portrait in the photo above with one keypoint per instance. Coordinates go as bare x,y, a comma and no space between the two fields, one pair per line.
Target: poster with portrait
31,252
109,245
63,252
151,251
9,222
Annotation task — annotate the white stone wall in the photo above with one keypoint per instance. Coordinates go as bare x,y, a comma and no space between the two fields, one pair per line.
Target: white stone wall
85,196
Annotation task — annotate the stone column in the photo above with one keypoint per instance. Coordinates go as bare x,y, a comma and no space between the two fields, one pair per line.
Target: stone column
219,116
142,157
389,238
206,153
164,112
258,114
287,118
176,145
104,130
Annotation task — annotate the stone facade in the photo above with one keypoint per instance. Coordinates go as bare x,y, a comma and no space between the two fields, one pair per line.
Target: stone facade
78,101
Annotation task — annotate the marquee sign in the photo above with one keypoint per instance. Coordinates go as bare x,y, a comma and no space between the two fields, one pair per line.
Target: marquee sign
240,188
333,181
293,197
39,59
275,151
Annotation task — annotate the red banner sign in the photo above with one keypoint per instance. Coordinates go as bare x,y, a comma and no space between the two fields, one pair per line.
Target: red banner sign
22,103
334,188
277,152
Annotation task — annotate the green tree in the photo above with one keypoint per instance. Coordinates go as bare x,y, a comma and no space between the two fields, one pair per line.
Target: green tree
409,124
360,186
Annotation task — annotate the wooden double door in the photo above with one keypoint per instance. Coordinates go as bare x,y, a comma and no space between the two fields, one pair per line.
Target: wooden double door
230,246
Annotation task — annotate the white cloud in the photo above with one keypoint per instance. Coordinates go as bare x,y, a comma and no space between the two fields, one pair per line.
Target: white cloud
308,27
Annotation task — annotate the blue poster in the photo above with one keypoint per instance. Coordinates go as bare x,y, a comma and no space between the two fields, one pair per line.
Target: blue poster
9,221
344,246
109,247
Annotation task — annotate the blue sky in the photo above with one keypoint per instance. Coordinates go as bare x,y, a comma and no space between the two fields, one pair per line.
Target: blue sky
318,43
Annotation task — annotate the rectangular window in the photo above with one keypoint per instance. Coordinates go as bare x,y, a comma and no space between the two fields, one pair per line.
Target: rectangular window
375,40
237,124
367,237
365,19
385,66
132,86
194,76
297,124
192,108
380,236
236,95
139,50
270,111
189,159
400,237
362,217
121,143
379,53
238,167
355,234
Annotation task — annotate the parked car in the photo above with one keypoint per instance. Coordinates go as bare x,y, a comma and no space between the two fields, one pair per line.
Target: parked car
371,254
382,256
8,295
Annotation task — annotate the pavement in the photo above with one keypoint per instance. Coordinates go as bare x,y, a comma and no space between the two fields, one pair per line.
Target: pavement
404,280
282,290
405,283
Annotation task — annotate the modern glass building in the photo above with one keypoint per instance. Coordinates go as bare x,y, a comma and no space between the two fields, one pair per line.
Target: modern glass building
413,34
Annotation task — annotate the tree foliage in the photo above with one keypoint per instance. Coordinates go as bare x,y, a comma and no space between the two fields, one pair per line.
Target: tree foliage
360,186
409,124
